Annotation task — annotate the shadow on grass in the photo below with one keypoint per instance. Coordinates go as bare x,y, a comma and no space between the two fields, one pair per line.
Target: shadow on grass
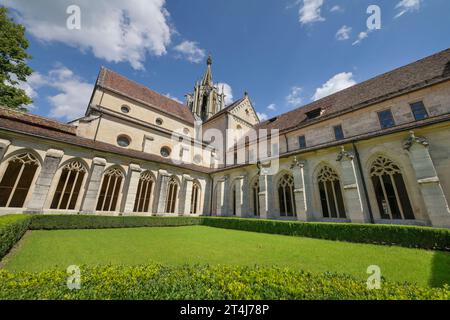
440,269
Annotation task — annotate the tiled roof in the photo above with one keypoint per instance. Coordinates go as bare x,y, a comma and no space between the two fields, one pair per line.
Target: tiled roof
430,70
117,83
49,129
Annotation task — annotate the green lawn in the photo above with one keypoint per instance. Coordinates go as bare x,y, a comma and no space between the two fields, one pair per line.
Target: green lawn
41,250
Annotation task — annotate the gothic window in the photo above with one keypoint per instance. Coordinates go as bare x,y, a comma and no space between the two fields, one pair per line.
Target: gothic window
109,192
255,197
330,193
195,198
286,196
390,190
69,186
172,194
17,180
144,192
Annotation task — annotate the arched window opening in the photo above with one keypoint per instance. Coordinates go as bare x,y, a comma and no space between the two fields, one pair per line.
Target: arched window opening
109,192
144,192
255,198
17,180
69,186
390,190
286,196
233,194
330,194
195,195
172,196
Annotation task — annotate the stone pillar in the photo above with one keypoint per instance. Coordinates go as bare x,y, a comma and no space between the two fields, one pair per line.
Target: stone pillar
267,195
44,180
164,178
134,174
242,196
356,206
90,199
4,144
428,180
225,193
300,191
185,195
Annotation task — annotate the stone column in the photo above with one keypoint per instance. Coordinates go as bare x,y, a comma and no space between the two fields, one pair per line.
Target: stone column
185,195
356,206
164,178
4,144
300,193
266,196
90,199
44,180
225,193
242,198
134,174
428,180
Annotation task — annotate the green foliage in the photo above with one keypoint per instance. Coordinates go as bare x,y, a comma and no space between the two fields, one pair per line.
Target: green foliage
58,222
405,236
13,66
12,228
201,282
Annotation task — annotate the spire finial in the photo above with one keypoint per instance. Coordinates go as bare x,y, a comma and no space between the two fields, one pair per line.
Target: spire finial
209,60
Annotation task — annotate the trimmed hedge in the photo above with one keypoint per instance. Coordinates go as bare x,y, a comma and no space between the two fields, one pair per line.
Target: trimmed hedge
156,282
12,228
405,236
52,222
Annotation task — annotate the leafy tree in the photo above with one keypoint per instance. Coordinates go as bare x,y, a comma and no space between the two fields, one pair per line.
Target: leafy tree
13,66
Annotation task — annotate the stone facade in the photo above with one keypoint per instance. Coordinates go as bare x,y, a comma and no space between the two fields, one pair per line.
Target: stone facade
371,174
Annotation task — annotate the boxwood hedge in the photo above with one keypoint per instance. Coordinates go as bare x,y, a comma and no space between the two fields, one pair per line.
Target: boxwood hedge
156,282
12,228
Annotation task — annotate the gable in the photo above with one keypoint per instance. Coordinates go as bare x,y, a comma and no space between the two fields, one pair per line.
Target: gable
245,111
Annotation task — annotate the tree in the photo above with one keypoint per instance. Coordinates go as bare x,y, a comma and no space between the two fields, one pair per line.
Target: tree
13,66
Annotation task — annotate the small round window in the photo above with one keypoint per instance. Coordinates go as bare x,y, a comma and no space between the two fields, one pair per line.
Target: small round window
159,121
123,141
165,152
197,159
125,109
186,131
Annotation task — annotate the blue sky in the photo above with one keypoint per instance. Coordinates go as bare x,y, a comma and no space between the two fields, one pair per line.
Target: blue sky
285,53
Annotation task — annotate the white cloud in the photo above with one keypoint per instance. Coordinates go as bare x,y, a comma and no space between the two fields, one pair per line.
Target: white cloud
336,8
343,33
168,95
407,6
294,98
272,107
72,96
226,88
262,116
337,83
310,11
361,36
114,30
190,51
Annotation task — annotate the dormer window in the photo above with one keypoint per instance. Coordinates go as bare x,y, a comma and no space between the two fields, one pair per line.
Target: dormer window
314,113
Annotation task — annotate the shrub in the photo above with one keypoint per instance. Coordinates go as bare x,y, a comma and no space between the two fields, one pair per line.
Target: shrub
406,236
12,228
52,222
156,282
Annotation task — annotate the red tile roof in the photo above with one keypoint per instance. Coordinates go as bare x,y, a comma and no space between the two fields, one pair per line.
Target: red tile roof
417,75
115,82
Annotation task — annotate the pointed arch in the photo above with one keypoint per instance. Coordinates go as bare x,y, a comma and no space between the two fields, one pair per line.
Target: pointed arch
110,189
173,188
144,192
390,189
330,192
195,197
286,198
255,190
17,179
71,179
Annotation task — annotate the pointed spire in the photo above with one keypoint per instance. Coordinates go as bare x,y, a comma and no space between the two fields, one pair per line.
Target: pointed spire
207,79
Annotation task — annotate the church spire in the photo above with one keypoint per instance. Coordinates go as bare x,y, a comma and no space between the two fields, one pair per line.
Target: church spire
207,78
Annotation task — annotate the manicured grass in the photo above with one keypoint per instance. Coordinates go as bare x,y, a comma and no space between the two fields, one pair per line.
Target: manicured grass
42,250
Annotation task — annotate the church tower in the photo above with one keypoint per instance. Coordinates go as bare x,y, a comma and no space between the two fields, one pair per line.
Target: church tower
206,100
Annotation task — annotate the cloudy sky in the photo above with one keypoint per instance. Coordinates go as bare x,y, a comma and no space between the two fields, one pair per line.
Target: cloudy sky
285,53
